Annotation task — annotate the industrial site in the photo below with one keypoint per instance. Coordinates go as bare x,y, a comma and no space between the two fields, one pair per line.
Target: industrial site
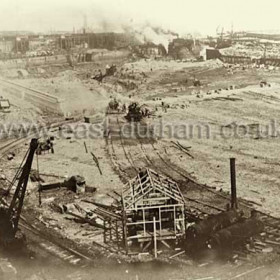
139,154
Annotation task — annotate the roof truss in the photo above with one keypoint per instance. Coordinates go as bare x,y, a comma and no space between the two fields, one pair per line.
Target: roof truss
146,182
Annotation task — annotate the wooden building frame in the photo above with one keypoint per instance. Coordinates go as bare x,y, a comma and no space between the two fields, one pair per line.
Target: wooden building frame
153,210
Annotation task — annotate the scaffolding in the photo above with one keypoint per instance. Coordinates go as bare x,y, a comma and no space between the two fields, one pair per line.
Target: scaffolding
153,212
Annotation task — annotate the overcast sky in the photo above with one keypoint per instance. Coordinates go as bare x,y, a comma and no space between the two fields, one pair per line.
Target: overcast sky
182,16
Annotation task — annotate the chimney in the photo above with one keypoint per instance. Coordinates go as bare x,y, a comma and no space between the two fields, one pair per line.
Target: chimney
233,184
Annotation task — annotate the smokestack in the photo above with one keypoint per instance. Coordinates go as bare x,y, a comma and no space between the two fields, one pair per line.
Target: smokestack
233,184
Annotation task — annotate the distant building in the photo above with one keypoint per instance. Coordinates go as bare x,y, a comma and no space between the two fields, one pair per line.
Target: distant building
6,46
11,45
181,48
109,41
151,50
21,44
212,54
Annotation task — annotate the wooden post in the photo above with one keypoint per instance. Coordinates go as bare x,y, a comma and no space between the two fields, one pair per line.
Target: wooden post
233,184
184,219
160,225
104,223
174,213
110,225
86,147
125,236
144,222
124,227
155,237
117,234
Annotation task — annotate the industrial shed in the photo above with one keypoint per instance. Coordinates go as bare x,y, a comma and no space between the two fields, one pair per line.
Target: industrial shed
153,211
4,104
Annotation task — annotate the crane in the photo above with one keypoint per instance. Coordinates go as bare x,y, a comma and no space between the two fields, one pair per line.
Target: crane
220,32
10,213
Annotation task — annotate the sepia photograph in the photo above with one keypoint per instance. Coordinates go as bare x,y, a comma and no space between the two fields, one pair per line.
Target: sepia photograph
138,140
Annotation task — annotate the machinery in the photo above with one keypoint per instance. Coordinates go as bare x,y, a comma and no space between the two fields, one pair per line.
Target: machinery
110,71
76,184
264,84
198,234
45,146
223,232
134,112
10,213
113,106
212,224
196,83
235,235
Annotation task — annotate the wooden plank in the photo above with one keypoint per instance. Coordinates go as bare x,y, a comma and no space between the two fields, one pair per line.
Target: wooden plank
147,246
169,193
178,254
165,244
272,242
141,222
159,206
144,220
140,183
155,199
245,273
155,238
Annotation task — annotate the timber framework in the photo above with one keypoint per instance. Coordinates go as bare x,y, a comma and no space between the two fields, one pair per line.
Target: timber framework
153,210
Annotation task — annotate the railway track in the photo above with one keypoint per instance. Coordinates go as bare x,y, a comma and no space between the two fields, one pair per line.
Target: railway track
264,242
5,148
14,143
267,241
44,242
152,158
55,248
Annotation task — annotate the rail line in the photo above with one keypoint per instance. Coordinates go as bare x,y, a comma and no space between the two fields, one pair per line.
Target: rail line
13,143
269,238
55,248
271,235
62,252
168,170
125,152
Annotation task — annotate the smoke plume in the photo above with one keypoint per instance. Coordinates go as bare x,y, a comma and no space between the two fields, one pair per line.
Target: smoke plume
150,34
143,32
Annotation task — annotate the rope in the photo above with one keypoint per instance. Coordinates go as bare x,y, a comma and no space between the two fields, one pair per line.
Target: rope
38,173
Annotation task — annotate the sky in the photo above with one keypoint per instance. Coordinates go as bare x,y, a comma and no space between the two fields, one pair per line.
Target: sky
182,16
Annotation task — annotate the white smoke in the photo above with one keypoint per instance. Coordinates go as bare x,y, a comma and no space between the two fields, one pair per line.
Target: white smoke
156,35
143,32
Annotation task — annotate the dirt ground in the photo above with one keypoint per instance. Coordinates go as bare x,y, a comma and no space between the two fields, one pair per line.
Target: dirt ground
233,123
247,106
218,114
228,122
